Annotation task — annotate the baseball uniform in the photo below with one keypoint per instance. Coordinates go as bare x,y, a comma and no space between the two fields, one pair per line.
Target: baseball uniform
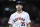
19,20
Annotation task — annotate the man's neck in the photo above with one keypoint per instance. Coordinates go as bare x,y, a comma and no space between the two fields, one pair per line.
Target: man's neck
19,11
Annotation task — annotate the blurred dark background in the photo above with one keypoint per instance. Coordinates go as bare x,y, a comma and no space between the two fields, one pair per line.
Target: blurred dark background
7,7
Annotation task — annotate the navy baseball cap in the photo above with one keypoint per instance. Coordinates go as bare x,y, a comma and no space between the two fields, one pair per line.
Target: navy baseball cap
19,2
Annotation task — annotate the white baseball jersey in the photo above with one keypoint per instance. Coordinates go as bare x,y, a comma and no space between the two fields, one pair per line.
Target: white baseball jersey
19,20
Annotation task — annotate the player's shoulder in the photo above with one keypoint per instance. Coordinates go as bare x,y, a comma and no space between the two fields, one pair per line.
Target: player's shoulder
13,14
26,12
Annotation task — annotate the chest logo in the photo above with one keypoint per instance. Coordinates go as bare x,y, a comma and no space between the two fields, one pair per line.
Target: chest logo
19,19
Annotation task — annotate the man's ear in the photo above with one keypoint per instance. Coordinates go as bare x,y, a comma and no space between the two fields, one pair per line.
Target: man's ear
22,6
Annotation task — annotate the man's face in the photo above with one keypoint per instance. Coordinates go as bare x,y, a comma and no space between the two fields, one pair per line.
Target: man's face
19,7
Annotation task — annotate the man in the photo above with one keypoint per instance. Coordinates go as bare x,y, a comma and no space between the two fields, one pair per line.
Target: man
19,18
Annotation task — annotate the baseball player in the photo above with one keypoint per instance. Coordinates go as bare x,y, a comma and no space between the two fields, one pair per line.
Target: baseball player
20,18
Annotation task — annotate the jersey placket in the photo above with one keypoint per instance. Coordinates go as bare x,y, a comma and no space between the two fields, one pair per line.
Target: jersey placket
19,15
